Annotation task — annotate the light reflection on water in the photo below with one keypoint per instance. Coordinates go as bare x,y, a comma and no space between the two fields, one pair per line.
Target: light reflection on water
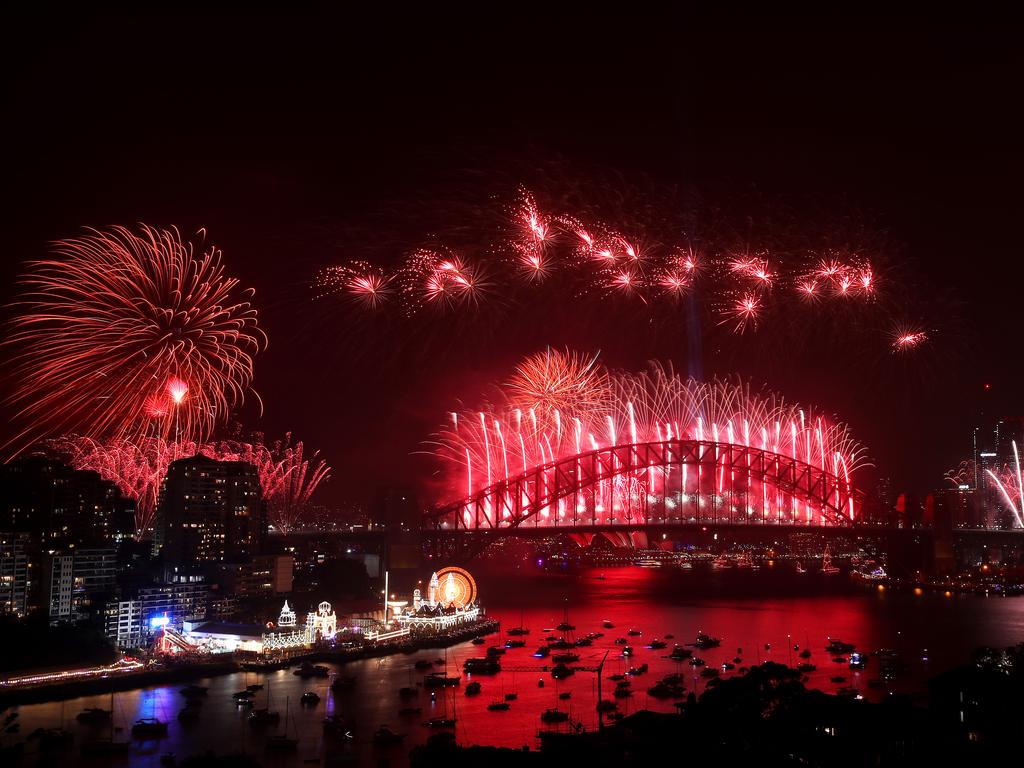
746,609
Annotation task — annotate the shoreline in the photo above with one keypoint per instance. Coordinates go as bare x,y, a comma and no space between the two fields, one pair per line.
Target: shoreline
37,694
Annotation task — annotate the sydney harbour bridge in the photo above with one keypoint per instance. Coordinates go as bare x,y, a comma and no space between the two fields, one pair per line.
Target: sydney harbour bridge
626,492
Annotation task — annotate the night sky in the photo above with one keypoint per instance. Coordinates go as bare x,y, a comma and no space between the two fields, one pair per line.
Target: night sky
290,139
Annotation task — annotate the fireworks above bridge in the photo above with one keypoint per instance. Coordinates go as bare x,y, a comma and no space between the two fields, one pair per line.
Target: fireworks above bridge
573,444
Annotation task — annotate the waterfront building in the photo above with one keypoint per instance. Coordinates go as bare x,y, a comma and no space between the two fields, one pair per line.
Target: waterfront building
77,581
15,573
210,511
140,615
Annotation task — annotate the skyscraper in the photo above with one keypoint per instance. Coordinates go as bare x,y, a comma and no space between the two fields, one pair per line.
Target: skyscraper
210,510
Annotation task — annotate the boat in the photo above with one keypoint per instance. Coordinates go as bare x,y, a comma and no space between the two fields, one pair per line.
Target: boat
744,561
660,691
857,660
541,652
384,736
709,672
93,715
480,666
826,563
565,658
696,661
622,693
642,669
149,727
409,711
800,567
838,646
253,687
245,702
607,624
342,683
686,565
805,667
873,575
310,697
244,694
657,644
848,691
424,664
441,722
617,677
584,642
606,705
282,742
499,706
554,716
307,670
670,636
440,680
805,653
565,626
728,666
561,671
520,630
262,717
472,689
515,644
634,633
190,691
476,641
497,650
511,696
679,653
706,641
627,651
565,696
838,679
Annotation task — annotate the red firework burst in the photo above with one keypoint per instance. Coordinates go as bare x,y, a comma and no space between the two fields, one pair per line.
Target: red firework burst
128,334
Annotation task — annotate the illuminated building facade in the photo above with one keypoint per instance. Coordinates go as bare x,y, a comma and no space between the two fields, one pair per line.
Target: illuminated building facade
135,621
15,581
76,580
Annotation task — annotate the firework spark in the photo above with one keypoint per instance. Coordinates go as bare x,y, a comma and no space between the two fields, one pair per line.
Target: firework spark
138,467
127,334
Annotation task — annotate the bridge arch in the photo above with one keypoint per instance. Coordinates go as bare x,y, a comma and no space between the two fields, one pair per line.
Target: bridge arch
664,482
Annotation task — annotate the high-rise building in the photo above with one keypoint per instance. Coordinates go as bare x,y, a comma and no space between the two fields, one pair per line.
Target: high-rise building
58,505
77,582
15,573
210,511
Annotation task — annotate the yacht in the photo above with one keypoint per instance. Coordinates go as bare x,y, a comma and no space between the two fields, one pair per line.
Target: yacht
706,641
499,706
554,716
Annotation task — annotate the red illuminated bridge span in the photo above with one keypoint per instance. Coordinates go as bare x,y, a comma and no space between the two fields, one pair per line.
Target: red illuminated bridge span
668,482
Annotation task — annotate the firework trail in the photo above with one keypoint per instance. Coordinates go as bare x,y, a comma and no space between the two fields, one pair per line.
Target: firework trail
535,258
487,446
138,468
1010,483
130,334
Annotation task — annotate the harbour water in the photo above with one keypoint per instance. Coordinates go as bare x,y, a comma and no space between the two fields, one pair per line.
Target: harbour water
758,614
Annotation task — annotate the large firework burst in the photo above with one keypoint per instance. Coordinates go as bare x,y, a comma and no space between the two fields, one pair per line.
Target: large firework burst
552,382
129,334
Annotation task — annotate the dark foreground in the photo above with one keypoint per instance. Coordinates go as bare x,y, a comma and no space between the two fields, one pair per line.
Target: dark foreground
768,718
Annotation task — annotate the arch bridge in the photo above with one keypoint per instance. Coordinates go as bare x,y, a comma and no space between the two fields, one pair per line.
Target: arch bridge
675,482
